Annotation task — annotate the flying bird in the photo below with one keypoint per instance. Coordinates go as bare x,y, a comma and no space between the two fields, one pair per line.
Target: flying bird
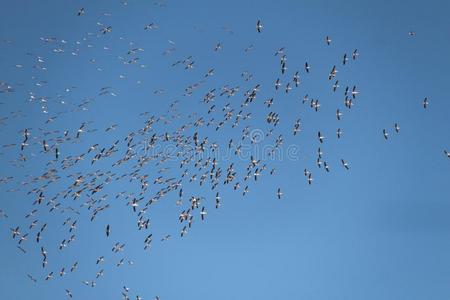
259,26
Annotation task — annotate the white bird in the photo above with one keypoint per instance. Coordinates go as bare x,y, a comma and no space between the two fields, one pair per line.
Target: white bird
259,26
447,153
279,193
425,103
345,164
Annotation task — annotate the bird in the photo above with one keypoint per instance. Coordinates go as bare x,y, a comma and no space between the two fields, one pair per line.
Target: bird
15,232
49,276
320,137
74,267
385,134
69,293
335,85
203,213
259,26
279,193
338,114
307,67
344,59
183,231
151,26
31,278
425,103
310,179
339,133
101,259
345,164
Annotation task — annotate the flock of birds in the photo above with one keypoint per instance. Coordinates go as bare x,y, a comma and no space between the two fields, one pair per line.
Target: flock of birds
194,162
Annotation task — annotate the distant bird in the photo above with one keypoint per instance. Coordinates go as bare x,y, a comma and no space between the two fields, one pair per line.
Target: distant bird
49,276
151,26
338,114
328,40
447,153
74,267
425,102
31,278
279,193
15,232
108,230
320,137
203,213
69,293
307,67
345,164
183,231
385,134
259,26
166,238
335,85
397,128
100,259
3,214
106,29
277,84
344,59
332,73
310,179
81,12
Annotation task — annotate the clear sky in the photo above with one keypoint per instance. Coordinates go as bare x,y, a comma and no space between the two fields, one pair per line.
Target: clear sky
379,230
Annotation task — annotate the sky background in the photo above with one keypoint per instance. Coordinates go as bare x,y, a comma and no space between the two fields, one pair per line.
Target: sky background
378,231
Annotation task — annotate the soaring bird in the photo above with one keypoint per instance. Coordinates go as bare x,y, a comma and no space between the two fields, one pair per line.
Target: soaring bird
338,114
345,164
447,153
320,137
425,102
259,26
203,213
69,293
307,67
279,193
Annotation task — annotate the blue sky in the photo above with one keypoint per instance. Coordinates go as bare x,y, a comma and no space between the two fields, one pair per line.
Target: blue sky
377,231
